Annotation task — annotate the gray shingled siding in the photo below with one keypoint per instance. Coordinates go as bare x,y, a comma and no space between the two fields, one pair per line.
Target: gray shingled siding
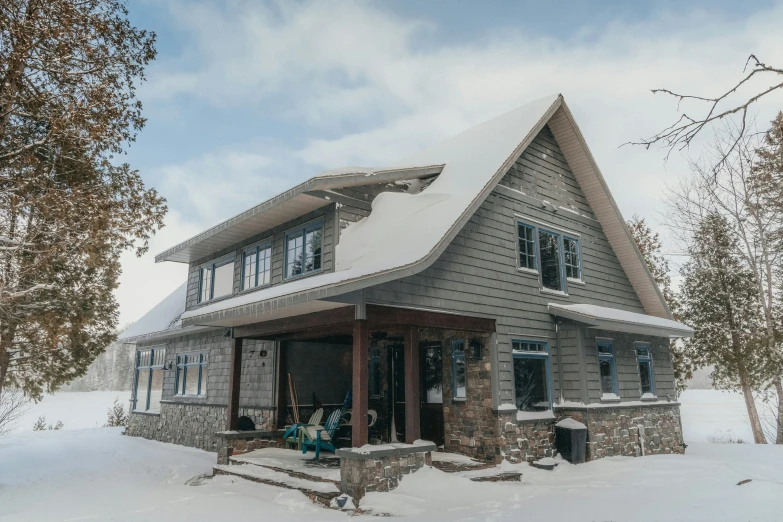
277,236
257,382
478,275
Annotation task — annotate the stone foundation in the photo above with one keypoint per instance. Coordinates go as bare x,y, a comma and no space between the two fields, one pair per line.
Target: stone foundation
614,431
365,470
193,425
232,443
525,440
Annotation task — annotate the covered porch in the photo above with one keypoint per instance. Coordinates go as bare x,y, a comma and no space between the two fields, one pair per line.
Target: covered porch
383,360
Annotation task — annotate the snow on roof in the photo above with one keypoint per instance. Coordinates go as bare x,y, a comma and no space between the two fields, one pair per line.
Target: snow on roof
404,229
342,171
166,315
600,315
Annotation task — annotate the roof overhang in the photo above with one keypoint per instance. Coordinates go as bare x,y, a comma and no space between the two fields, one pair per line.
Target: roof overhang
164,334
303,198
614,320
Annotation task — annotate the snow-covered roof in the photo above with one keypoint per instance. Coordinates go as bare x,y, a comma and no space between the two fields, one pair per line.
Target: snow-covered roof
406,232
620,320
166,316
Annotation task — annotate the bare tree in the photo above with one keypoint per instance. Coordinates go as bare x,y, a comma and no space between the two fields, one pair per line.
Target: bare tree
13,404
681,133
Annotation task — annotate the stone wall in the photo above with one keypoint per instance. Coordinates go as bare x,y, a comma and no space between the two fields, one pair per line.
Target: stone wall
362,472
525,440
233,443
613,431
192,425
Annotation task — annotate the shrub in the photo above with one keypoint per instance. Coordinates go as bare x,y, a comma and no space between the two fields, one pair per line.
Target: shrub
116,415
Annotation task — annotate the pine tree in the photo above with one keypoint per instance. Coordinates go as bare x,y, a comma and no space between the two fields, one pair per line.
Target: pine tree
651,248
68,209
719,301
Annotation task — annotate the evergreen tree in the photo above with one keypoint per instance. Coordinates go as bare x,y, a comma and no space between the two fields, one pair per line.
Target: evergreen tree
719,301
650,246
68,73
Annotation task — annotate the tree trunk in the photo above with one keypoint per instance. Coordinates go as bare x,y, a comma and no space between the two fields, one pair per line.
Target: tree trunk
753,414
779,391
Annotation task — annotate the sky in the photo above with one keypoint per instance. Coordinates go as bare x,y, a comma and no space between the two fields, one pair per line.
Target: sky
247,99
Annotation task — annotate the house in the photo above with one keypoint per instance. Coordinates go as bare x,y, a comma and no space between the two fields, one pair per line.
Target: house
471,295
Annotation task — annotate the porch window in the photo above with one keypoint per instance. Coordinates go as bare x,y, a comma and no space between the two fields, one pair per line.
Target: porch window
532,375
216,280
551,264
303,250
192,375
606,369
257,266
148,391
527,246
459,374
375,372
646,376
571,258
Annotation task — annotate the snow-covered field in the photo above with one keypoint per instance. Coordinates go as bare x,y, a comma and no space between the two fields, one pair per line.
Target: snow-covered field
76,410
98,474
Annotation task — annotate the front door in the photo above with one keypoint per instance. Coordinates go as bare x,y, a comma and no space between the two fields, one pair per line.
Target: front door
431,367
396,393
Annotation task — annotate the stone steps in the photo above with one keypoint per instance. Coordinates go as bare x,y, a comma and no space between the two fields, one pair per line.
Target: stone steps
316,489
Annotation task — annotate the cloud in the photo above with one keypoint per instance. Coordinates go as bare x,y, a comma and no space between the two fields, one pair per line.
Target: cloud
357,86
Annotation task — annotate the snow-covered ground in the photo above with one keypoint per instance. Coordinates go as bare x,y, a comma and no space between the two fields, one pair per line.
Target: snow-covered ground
98,474
76,410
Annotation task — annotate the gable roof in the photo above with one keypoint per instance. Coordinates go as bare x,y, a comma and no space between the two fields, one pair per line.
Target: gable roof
406,233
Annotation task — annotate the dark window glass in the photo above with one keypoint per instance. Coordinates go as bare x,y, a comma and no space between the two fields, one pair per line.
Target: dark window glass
644,376
433,374
303,251
530,384
313,250
527,247
551,277
607,379
460,375
375,372
571,258
294,255
521,346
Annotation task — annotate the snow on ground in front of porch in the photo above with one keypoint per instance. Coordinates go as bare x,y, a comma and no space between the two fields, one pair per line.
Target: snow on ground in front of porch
291,460
98,474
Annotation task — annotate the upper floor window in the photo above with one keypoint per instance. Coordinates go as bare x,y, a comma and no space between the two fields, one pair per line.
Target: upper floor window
459,372
257,266
646,376
532,375
606,368
554,256
303,250
149,380
216,280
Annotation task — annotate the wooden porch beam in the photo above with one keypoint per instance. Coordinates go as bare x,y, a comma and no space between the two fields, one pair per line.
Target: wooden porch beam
235,376
361,351
412,381
388,315
270,329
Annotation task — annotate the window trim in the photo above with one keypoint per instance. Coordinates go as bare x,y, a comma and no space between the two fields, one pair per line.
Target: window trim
302,230
561,234
649,359
263,245
212,267
202,364
520,354
454,356
150,367
607,357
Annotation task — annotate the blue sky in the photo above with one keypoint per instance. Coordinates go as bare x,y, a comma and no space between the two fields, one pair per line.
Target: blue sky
248,98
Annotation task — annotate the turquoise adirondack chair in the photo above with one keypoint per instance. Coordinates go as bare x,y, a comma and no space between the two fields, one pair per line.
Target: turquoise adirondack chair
292,435
319,437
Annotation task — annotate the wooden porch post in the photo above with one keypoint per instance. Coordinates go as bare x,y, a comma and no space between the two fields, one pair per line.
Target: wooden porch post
361,350
234,386
412,394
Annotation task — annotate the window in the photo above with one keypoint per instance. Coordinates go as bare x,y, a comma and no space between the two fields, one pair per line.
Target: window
303,250
192,374
551,270
571,258
375,372
149,380
646,378
257,266
606,369
216,280
527,246
556,257
459,374
532,376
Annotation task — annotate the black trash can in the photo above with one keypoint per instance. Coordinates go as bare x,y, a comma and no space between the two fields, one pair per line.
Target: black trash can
571,440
